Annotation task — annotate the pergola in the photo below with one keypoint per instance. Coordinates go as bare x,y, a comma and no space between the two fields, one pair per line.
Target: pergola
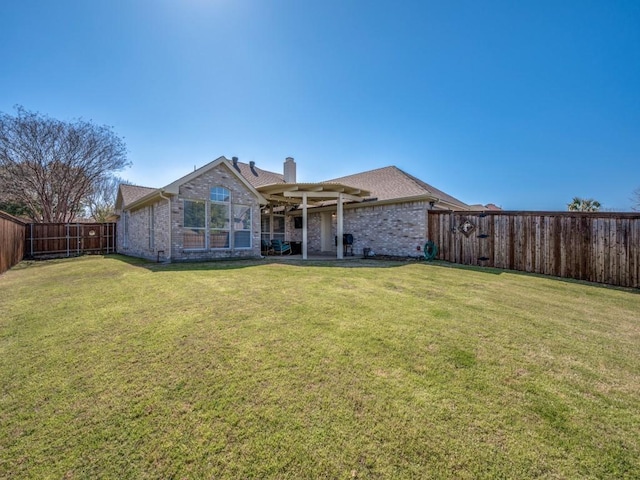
312,194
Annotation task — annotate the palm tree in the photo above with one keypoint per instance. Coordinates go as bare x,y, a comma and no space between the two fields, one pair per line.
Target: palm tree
583,205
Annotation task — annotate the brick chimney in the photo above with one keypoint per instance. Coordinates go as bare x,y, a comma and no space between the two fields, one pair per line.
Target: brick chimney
290,170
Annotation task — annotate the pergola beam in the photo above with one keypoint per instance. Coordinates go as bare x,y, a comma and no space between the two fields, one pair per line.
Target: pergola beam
281,199
324,196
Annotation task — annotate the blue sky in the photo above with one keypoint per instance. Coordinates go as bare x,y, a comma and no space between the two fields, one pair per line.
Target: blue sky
525,104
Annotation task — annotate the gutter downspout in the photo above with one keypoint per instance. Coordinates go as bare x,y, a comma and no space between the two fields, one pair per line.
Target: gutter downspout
168,199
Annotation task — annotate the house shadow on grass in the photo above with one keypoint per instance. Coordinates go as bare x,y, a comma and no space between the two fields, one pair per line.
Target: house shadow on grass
351,262
293,261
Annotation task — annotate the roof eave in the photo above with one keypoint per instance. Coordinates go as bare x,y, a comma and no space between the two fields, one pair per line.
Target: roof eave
152,197
413,198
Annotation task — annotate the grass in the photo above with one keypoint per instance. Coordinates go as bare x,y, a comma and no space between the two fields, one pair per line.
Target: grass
110,368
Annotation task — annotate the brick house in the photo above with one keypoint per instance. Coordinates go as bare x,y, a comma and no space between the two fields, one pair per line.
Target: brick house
226,208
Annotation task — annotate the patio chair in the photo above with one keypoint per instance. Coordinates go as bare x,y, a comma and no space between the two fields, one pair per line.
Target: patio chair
266,248
281,248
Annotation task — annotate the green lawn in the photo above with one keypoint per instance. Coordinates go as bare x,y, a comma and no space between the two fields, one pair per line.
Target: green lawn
110,368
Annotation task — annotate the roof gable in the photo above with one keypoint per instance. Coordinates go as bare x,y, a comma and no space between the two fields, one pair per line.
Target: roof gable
140,196
128,194
174,187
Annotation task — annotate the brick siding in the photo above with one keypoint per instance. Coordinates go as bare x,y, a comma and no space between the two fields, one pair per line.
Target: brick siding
137,243
395,229
169,216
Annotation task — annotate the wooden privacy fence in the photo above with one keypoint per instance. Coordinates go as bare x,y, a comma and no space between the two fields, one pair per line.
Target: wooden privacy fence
598,247
69,239
12,233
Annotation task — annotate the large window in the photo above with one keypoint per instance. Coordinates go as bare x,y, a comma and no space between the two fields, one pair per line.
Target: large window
219,204
194,223
217,223
242,226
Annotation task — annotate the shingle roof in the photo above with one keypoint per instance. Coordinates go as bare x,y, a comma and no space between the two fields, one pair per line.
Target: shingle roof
488,206
438,193
390,183
256,176
387,183
131,193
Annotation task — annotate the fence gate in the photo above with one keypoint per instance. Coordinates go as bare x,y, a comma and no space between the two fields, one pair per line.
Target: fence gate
69,239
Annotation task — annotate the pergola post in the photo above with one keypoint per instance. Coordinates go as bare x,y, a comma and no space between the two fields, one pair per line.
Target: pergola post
304,225
295,193
271,205
340,228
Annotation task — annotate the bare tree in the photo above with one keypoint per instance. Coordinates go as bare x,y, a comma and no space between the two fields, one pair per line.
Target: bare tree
101,202
51,166
584,205
635,200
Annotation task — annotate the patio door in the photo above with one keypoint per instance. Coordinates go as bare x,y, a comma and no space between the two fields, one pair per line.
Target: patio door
326,239
272,227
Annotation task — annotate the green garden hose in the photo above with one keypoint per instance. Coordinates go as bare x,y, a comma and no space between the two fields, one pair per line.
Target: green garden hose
430,250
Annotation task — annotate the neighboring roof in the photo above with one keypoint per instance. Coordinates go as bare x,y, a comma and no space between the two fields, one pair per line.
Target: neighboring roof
488,206
391,183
